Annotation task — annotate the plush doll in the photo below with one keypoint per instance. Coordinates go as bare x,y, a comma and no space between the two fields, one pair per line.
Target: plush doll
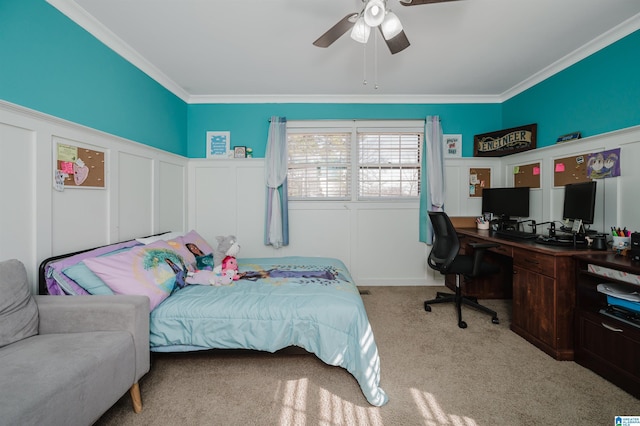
229,263
206,277
227,246
224,278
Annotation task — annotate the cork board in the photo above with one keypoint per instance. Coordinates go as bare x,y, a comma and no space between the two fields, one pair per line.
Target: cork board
79,166
570,170
479,178
527,175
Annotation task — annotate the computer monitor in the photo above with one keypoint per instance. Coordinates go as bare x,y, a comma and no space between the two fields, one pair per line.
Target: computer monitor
506,202
580,201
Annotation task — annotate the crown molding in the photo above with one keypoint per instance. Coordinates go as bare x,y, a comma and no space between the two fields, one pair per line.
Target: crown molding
624,29
80,16
344,99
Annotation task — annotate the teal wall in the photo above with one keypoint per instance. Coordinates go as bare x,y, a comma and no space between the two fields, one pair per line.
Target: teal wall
596,95
249,123
50,64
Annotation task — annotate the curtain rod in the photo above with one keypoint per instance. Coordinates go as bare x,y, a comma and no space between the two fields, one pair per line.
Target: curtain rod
369,119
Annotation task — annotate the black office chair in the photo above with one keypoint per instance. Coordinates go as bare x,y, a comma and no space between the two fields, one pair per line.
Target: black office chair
445,258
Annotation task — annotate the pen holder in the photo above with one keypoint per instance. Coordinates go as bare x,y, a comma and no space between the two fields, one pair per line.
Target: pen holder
484,225
620,243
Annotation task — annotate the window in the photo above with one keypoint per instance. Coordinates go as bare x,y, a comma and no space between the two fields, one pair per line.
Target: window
389,164
319,165
335,160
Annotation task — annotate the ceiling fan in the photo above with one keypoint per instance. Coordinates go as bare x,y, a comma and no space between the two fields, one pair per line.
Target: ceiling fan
374,14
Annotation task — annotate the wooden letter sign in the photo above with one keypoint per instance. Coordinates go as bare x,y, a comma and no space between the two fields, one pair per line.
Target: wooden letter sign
505,142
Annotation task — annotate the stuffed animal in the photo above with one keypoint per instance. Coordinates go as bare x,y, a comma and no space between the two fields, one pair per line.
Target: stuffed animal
224,278
227,246
206,277
229,263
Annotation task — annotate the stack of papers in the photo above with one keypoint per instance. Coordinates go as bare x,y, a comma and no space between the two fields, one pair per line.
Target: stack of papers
619,292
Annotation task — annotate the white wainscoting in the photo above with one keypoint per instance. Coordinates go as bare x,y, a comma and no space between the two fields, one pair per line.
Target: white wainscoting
149,190
378,242
617,199
145,190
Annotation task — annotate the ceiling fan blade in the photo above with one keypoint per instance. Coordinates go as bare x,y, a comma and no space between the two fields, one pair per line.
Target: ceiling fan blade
419,2
397,43
335,32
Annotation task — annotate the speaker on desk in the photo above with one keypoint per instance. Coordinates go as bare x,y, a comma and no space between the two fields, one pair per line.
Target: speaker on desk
635,246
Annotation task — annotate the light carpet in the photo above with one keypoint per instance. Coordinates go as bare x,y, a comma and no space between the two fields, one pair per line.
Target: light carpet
434,373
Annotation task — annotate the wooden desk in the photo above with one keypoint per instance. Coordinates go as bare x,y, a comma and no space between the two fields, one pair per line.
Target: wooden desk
541,281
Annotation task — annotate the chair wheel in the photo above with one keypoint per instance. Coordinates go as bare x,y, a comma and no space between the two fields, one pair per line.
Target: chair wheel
462,324
495,320
427,307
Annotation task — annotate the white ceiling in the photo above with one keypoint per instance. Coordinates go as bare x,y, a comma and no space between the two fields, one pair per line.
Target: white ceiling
261,50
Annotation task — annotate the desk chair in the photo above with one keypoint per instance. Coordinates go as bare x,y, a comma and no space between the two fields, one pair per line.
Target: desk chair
445,258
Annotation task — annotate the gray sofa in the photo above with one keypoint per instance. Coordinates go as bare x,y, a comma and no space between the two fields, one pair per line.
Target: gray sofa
67,360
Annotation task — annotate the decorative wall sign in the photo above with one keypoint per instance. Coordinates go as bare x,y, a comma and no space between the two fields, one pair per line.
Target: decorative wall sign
452,146
568,137
505,142
218,144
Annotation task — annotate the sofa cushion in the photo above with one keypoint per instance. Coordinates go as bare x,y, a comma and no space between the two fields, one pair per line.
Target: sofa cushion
18,310
66,378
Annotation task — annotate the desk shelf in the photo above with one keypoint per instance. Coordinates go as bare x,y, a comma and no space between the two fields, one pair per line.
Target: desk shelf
607,346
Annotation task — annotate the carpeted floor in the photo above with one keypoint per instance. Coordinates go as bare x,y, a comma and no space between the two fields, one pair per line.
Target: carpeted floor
434,373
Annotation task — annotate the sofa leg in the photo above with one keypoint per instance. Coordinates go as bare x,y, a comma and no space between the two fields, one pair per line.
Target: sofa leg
136,399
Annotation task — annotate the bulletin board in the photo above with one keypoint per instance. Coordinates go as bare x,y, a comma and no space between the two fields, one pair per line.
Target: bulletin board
79,166
570,170
527,175
478,179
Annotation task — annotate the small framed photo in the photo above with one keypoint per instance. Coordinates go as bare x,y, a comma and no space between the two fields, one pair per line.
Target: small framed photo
239,152
218,144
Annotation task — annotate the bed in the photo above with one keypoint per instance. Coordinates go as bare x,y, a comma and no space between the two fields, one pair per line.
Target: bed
308,302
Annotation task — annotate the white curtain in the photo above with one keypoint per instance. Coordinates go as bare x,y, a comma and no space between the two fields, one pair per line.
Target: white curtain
432,176
276,230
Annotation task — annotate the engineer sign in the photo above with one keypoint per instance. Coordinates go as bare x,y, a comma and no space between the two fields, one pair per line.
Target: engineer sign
505,142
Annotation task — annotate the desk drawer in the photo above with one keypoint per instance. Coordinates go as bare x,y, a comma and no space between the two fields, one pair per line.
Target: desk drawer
534,262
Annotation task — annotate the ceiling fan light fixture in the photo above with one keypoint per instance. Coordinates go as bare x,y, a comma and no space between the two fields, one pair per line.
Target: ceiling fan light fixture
360,31
374,12
391,26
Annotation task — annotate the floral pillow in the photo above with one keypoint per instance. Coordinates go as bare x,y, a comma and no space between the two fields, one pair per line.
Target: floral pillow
154,270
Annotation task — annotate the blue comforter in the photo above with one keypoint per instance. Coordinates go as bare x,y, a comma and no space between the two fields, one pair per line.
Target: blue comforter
290,301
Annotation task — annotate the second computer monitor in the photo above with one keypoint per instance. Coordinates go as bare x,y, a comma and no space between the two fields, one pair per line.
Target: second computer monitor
580,201
506,202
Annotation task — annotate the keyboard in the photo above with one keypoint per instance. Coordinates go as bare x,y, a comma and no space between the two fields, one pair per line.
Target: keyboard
515,235
559,242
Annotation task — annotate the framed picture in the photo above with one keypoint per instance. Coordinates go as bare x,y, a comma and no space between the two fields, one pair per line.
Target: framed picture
218,144
239,152
452,146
